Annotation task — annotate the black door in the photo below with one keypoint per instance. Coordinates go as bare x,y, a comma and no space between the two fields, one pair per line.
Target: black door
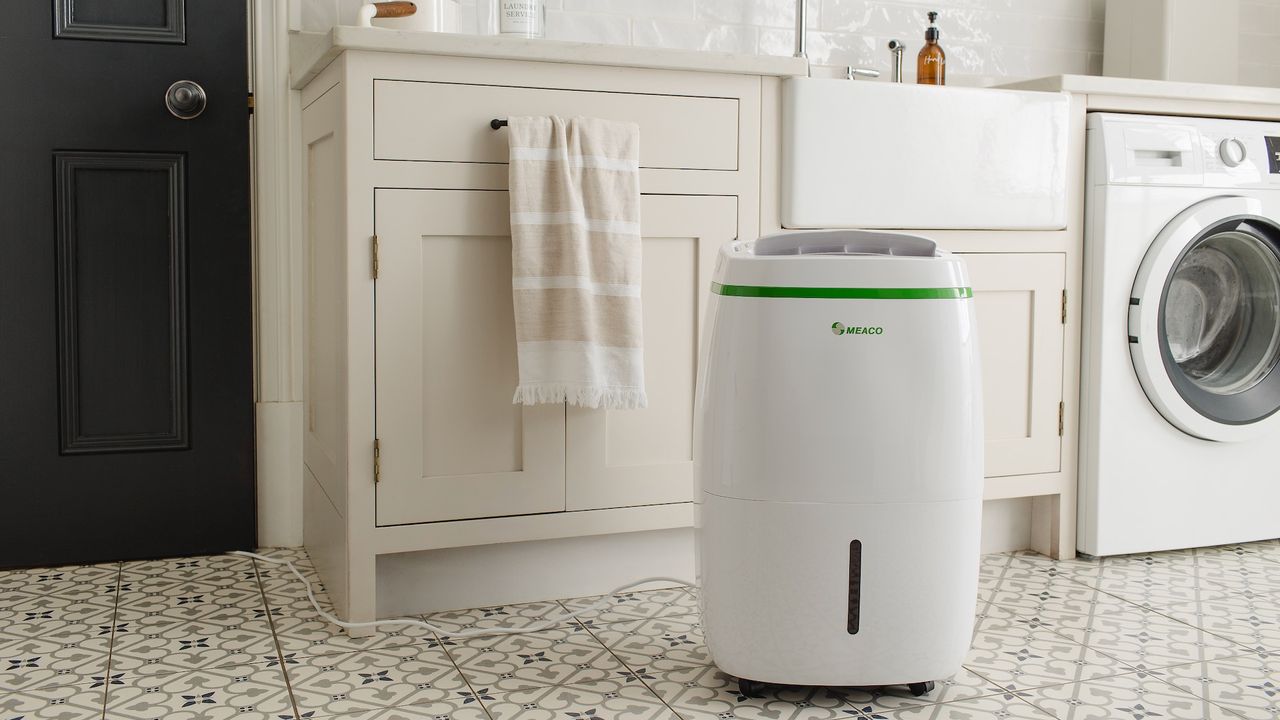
126,381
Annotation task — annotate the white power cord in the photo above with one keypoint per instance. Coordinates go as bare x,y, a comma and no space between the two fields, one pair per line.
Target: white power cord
544,624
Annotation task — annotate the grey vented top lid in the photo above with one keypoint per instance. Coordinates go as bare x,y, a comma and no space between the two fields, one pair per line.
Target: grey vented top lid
845,242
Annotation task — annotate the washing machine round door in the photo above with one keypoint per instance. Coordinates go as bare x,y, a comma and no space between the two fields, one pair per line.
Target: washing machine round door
1204,321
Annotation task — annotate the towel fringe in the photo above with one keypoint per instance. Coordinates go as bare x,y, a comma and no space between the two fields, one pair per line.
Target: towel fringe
606,398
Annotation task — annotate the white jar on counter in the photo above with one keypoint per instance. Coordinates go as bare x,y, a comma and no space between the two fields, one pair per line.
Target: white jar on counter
524,18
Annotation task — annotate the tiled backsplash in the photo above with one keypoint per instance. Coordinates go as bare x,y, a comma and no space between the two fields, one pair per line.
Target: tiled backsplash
1260,42
992,39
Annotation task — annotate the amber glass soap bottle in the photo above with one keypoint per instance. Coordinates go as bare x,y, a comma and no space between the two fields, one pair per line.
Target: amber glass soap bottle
931,63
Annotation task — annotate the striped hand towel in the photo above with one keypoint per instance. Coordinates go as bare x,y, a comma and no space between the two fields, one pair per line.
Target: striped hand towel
575,261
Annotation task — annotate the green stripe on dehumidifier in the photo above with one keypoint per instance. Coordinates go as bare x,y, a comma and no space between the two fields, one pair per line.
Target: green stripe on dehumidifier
948,293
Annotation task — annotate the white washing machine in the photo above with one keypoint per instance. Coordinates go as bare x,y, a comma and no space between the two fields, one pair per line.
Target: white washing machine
1180,434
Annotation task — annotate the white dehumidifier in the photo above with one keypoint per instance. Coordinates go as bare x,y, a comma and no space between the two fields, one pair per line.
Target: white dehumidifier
840,445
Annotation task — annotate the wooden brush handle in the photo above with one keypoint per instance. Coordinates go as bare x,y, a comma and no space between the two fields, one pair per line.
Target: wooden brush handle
395,9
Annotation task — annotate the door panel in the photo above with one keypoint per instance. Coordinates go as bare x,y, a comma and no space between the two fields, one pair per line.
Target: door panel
618,458
1019,308
122,351
125,283
452,443
162,21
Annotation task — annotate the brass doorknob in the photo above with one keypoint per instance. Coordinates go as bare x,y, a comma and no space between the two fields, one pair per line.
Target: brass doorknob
185,99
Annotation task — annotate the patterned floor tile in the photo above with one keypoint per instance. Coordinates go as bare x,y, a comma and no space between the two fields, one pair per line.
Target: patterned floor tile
1011,621
996,564
243,691
964,685
368,680
195,602
1149,588
1242,572
426,711
65,702
668,602
70,582
1026,658
300,629
278,581
21,606
1003,707
155,649
561,656
1146,639
707,692
193,638
660,644
1081,564
1169,561
1269,550
1248,685
1135,696
1250,619
159,576
521,615
605,700
68,655
1042,590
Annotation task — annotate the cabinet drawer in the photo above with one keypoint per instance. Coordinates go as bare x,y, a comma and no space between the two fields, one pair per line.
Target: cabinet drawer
449,122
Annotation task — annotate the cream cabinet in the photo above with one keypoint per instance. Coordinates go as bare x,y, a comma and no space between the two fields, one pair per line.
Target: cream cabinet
452,446
1019,298
412,441
645,457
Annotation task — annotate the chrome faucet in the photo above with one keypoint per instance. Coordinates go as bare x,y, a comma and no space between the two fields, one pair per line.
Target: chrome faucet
896,48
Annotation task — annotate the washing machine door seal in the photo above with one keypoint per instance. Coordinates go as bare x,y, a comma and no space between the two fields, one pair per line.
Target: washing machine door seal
1204,321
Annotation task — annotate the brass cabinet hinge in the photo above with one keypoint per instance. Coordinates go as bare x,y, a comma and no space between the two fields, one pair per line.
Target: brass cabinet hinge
377,460
375,257
1064,307
1062,409
250,103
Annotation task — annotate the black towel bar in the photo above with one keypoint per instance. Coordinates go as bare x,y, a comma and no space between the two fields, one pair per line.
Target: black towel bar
497,123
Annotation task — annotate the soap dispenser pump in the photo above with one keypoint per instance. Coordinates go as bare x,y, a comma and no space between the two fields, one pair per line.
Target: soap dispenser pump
931,63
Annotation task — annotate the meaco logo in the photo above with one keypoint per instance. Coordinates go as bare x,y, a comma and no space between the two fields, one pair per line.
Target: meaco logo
842,329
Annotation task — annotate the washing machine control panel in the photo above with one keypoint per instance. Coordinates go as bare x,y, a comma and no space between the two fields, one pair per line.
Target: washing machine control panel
1273,153
1232,151
1192,152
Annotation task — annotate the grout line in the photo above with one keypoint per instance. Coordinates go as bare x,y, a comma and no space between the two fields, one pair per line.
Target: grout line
1141,608
275,640
1160,611
624,663
111,644
1017,694
440,642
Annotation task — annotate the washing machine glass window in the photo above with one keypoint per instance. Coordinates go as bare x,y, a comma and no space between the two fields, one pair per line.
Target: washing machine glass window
1221,321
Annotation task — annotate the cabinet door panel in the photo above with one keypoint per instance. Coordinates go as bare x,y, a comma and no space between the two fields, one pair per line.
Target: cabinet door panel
1019,307
452,443
645,457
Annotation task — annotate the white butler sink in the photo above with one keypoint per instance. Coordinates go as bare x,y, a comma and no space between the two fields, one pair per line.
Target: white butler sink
890,155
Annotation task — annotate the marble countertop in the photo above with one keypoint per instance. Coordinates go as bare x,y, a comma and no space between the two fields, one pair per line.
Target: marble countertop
309,53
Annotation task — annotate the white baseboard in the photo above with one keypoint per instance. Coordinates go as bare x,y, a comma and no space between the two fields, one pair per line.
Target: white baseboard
486,575
279,474
1006,525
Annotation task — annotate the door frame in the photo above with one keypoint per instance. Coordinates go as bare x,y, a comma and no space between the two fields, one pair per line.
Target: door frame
278,279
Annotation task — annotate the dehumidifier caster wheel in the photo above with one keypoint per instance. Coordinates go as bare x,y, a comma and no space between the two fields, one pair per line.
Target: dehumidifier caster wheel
918,689
750,688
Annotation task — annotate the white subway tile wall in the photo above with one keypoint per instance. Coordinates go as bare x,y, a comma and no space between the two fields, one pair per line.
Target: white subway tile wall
1260,42
985,40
